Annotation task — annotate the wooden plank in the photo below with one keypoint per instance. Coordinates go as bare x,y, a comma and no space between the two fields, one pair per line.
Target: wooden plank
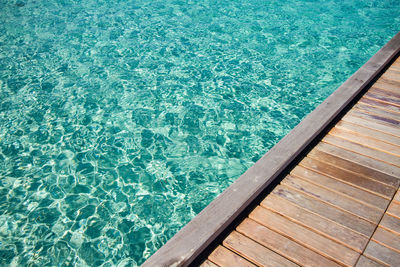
377,111
376,118
397,197
387,239
394,209
382,254
390,223
254,252
387,84
343,163
390,89
372,124
224,257
366,141
364,131
362,150
395,68
341,188
318,224
304,236
365,262
387,87
351,178
390,77
366,162
379,104
366,212
385,98
283,245
392,74
325,210
208,263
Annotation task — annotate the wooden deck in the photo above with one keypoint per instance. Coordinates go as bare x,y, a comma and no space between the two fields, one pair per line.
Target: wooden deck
340,205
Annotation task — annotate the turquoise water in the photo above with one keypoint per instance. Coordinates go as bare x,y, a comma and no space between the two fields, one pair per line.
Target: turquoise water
121,120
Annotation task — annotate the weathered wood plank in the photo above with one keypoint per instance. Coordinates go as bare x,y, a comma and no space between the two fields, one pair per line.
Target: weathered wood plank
351,178
390,223
387,239
363,150
382,254
372,124
340,187
376,118
364,131
254,252
381,97
389,89
389,78
395,68
366,141
366,212
352,166
376,111
385,80
366,162
365,262
318,224
392,74
304,236
208,263
394,209
325,210
224,257
397,197
283,245
379,104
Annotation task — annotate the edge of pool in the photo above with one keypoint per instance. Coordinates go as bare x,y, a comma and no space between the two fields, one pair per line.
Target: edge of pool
186,245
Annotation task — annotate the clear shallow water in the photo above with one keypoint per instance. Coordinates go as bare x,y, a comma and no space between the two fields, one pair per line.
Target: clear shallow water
121,120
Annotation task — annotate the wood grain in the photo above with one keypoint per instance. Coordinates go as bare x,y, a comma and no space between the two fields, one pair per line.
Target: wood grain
376,111
391,74
366,141
396,198
387,89
362,150
382,254
394,124
326,210
372,124
282,245
387,239
366,262
208,263
379,104
367,132
341,188
316,223
304,236
390,223
366,212
351,178
352,165
362,160
224,257
394,209
254,252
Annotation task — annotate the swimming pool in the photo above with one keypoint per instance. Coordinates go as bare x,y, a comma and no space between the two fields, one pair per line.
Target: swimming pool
121,120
